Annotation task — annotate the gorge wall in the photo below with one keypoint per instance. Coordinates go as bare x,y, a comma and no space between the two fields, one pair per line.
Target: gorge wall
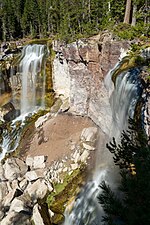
79,70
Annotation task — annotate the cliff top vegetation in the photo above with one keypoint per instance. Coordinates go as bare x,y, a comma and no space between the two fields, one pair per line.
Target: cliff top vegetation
71,19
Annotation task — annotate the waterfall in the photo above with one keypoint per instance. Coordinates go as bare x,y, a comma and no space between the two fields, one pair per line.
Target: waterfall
124,94
31,78
32,73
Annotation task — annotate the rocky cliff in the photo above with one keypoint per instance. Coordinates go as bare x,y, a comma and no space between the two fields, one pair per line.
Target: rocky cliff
79,70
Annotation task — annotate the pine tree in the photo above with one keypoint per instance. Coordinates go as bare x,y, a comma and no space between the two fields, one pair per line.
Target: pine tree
132,155
30,18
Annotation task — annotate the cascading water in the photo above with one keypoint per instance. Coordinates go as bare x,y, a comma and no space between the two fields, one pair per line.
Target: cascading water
31,76
124,95
32,73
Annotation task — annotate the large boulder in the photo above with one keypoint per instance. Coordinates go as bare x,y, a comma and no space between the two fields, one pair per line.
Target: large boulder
37,190
14,168
34,174
8,220
37,218
9,112
89,134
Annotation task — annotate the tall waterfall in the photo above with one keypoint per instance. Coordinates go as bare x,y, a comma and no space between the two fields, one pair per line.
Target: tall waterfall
33,78
123,98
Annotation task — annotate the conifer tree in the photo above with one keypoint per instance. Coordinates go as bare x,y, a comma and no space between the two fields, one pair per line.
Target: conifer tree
30,19
132,156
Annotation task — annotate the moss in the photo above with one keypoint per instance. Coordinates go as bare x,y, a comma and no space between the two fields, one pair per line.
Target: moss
5,98
48,71
32,222
63,192
42,41
44,211
126,64
49,99
133,59
58,218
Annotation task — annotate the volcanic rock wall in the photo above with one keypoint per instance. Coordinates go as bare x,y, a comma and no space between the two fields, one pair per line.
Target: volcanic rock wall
79,69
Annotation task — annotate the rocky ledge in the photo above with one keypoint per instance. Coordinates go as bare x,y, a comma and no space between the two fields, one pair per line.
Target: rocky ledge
25,184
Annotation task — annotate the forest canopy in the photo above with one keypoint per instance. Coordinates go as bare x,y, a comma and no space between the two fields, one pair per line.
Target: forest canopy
69,18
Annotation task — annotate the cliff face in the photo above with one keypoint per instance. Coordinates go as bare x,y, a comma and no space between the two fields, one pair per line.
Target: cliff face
79,70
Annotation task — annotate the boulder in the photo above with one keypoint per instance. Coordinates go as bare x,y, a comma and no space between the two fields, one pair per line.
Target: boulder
9,112
65,106
65,169
37,190
11,115
14,184
29,161
8,198
51,213
89,134
23,184
74,166
84,156
50,188
41,120
88,147
8,220
3,190
37,218
14,168
17,205
34,175
39,162
77,157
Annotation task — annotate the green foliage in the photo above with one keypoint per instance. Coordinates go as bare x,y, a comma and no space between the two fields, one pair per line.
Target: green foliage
67,19
132,156
128,32
64,192
111,205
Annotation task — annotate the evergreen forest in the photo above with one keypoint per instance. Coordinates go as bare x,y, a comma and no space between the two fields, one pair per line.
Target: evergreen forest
69,19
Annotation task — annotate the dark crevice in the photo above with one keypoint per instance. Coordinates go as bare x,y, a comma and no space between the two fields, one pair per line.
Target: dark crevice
100,47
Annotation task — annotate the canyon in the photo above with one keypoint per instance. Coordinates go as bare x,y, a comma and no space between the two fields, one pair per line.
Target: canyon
81,113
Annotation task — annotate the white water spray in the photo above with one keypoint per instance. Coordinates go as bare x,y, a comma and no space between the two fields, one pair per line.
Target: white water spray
33,77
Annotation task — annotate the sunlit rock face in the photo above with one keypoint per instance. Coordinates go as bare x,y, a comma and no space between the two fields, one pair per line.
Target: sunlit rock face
78,74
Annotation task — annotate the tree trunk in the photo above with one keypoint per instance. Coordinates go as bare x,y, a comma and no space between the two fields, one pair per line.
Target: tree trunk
4,30
134,15
89,11
127,12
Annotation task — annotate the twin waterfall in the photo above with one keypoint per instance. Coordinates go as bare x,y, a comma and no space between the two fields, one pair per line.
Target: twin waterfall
123,98
30,78
124,94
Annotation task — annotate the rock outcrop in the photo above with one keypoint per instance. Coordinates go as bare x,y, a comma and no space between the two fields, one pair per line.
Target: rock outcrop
79,70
